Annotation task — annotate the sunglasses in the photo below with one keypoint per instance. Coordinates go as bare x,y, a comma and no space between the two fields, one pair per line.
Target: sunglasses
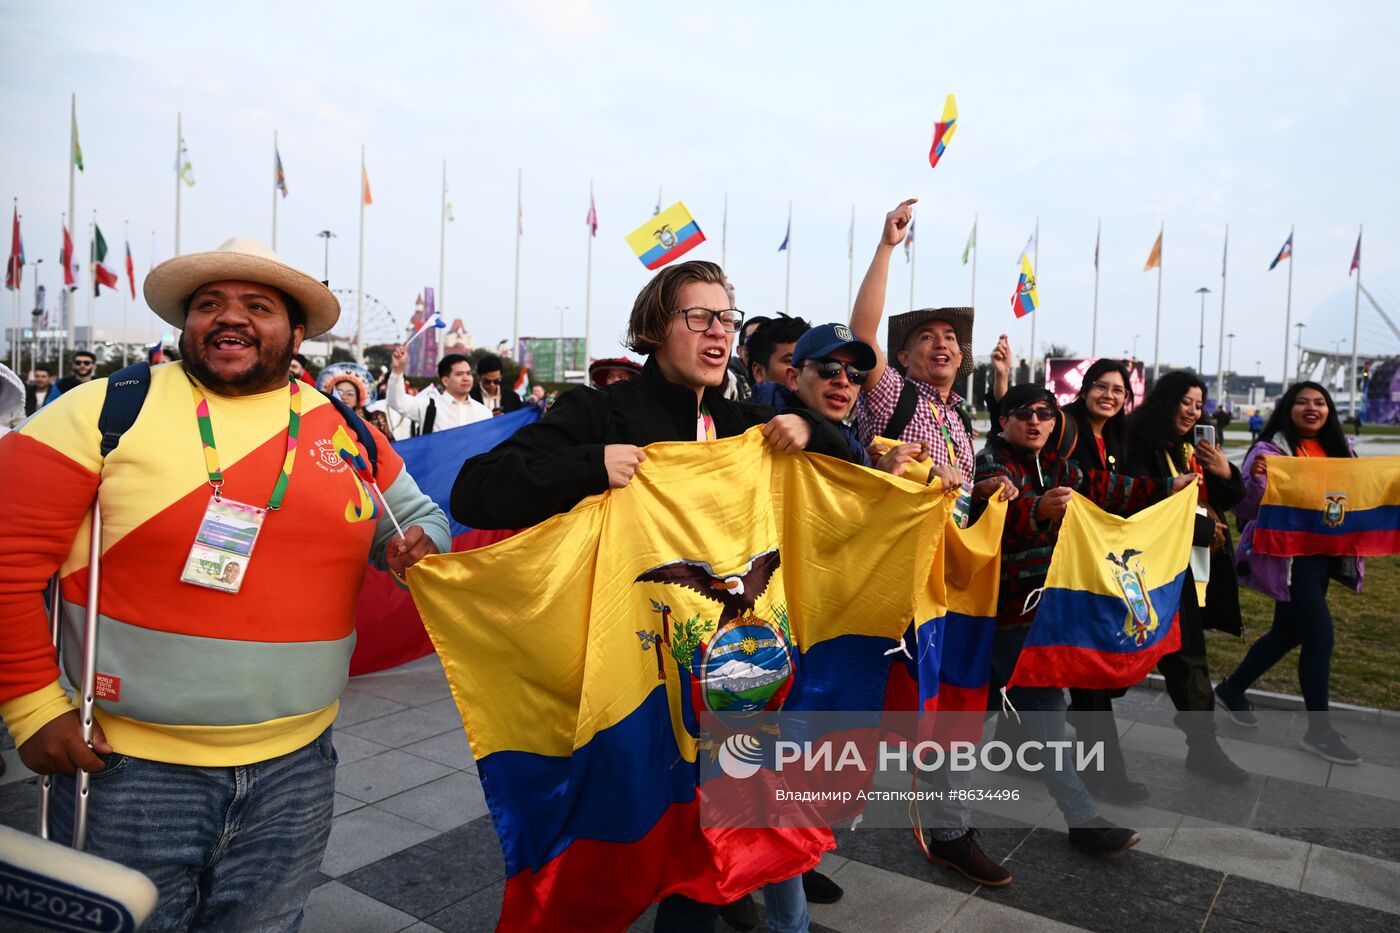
1036,414
828,370
491,382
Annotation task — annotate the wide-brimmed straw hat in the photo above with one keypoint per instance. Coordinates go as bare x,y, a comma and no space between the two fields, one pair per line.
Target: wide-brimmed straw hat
902,325
170,284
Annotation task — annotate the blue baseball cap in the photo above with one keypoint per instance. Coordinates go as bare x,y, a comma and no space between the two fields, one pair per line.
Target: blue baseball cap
825,339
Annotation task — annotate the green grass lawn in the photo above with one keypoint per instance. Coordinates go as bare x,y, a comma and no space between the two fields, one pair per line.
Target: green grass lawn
1366,659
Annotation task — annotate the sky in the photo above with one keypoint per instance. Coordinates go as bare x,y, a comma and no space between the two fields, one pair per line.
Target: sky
1262,116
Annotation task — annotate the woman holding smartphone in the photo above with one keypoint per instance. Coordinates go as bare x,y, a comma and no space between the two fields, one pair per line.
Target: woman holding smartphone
1162,441
1303,424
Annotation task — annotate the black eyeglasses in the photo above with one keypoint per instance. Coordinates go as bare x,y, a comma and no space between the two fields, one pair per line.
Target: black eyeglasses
828,369
1038,414
700,319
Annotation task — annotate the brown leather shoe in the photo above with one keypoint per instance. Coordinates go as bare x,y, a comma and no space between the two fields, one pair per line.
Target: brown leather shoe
966,857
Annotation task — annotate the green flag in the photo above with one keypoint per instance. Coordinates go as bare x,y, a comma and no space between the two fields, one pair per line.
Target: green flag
971,242
77,147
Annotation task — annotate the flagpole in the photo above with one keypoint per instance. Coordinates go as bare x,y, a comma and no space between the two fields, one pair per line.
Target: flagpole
1035,258
1288,308
1355,326
519,219
442,243
68,323
851,263
126,235
787,281
360,317
65,298
1157,337
975,250
12,269
588,286
723,230
274,191
179,143
92,271
1094,340
1220,354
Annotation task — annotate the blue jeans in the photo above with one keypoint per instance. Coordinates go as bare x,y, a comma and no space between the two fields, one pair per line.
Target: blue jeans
1304,622
232,849
785,905
1046,723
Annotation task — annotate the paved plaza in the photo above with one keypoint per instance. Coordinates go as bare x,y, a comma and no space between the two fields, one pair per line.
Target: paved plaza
412,846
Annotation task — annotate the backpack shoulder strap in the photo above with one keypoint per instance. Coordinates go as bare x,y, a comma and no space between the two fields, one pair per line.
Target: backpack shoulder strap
903,411
429,417
126,394
362,432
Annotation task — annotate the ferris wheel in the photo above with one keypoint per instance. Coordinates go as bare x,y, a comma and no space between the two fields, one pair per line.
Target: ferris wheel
381,324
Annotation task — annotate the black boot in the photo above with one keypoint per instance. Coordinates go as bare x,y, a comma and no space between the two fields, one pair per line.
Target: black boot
1205,757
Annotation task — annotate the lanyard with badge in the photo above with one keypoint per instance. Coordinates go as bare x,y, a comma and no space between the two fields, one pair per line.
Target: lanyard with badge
223,545
963,507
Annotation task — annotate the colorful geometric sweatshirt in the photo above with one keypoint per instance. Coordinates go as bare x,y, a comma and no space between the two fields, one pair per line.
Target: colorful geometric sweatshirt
186,674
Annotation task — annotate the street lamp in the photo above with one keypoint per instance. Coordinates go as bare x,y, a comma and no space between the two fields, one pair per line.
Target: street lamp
1201,355
326,268
1299,374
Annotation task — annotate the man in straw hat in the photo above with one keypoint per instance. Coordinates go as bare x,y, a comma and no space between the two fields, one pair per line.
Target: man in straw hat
212,765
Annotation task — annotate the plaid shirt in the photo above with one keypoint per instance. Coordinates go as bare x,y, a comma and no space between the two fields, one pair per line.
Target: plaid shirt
876,404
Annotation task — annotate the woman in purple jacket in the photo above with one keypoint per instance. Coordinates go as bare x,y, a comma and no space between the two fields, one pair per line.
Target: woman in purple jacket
1303,424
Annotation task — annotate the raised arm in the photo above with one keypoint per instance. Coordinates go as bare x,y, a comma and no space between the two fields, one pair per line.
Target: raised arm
870,300
397,397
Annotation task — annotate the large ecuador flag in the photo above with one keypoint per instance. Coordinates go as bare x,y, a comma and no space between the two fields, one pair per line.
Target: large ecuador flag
669,235
1108,609
1330,505
580,651
388,629
951,660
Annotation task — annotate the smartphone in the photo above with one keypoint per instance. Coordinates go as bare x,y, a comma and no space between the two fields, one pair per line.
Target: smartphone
1203,432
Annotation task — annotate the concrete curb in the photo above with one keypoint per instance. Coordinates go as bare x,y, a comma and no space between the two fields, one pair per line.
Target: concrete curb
1264,699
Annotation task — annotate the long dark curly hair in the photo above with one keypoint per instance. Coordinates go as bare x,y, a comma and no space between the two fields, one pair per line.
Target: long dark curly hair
1115,429
1153,425
1280,421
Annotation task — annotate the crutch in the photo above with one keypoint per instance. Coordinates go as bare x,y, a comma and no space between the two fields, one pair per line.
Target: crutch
88,687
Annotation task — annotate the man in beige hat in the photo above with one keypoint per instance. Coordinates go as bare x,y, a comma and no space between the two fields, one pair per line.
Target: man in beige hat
234,541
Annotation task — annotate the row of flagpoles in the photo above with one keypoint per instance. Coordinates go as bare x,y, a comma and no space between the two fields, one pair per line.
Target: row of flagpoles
1025,298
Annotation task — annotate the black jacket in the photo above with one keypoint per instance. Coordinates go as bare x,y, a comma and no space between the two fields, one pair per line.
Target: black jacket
509,400
548,467
1086,452
1222,609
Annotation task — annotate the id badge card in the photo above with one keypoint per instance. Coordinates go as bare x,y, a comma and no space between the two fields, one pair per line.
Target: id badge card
223,545
962,508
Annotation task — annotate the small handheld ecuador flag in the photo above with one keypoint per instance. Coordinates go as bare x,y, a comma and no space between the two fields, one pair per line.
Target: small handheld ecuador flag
1026,299
366,509
669,235
1340,506
943,130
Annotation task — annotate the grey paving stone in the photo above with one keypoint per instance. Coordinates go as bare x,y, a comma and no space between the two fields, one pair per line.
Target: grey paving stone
1097,902
385,775
1292,764
451,748
1249,853
892,902
443,804
1367,778
1288,805
409,688
478,913
980,915
1378,843
403,727
422,927
1272,907
356,706
1356,879
335,908
422,880
350,748
365,836
343,804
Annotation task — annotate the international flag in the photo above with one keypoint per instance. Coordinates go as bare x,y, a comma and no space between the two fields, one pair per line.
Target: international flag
593,782
1154,258
450,217
971,243
1025,299
943,131
657,209
1285,251
14,267
183,166
388,629
1026,250
522,381
77,147
1355,257
102,273
364,186
155,354
1098,235
669,235
592,218
1342,506
130,271
787,234
70,262
1108,609
280,178
909,241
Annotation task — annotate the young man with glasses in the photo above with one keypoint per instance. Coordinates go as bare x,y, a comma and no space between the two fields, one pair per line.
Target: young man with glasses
84,368
488,389
1045,481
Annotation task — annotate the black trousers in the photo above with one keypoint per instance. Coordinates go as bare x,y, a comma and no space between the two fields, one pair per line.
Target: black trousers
1187,673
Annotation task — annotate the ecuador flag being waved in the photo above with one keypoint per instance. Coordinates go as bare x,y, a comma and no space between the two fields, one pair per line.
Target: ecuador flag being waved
1108,609
1340,506
724,577
1026,298
669,235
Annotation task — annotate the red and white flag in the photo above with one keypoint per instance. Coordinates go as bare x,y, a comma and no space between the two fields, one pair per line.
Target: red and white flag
130,271
14,267
70,262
